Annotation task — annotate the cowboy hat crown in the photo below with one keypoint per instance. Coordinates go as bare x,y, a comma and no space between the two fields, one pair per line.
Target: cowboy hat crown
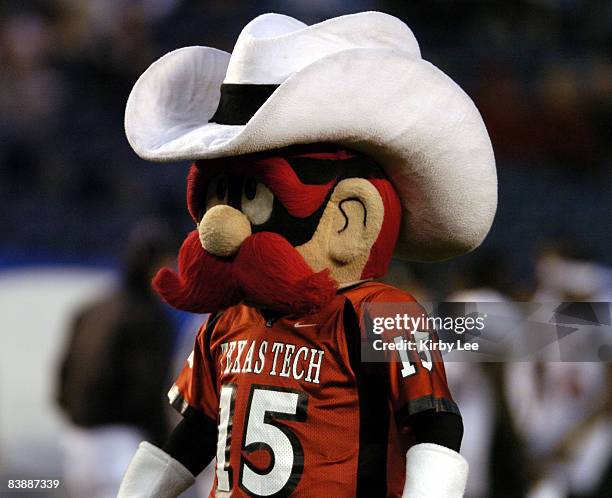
272,47
357,81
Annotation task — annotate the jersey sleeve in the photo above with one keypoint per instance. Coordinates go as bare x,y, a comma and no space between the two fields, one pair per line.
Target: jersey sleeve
415,376
196,387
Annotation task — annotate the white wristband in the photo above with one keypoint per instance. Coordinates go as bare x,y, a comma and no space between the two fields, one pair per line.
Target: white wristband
434,471
153,473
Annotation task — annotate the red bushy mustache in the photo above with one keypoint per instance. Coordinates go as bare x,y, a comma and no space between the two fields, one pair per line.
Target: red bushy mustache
267,271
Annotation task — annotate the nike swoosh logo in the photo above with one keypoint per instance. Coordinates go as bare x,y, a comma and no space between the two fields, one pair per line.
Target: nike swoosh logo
298,325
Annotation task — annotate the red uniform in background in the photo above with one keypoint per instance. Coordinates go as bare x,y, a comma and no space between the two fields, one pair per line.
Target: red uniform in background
297,409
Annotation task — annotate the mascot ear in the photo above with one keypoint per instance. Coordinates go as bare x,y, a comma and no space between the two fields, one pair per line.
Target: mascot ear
356,214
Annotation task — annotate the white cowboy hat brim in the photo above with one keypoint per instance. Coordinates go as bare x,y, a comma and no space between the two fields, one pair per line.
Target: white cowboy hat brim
408,115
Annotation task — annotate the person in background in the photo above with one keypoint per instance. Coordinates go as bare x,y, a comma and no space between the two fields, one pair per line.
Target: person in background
563,409
115,371
490,443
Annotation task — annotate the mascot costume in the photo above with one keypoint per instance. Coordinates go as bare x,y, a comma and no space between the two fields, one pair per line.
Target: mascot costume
318,152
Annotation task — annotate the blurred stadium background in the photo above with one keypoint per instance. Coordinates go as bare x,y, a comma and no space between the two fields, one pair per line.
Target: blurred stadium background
71,188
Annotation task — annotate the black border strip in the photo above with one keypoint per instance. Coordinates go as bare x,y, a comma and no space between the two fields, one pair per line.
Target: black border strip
181,406
425,403
374,413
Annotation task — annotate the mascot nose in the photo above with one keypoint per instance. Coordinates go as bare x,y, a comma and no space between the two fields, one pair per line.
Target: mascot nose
223,229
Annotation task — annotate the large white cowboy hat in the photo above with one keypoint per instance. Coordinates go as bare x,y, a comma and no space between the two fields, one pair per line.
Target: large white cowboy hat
356,80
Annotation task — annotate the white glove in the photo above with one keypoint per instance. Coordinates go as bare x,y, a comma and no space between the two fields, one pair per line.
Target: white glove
153,473
434,471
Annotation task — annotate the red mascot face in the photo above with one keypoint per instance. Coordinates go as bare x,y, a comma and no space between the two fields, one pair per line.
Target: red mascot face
282,230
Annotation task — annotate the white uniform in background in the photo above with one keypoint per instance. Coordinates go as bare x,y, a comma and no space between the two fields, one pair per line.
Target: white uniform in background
95,459
545,412
551,404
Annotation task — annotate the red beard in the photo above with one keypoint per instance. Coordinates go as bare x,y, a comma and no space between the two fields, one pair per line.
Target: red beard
267,271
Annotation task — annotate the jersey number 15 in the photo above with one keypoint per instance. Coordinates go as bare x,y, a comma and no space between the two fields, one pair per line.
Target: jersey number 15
265,407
